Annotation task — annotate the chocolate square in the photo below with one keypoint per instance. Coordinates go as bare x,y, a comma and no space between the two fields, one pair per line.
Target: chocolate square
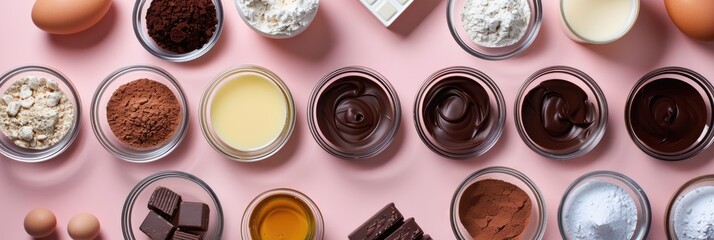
156,227
193,216
408,231
181,235
164,202
426,237
380,225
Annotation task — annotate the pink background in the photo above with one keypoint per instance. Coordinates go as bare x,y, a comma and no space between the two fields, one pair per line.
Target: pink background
421,183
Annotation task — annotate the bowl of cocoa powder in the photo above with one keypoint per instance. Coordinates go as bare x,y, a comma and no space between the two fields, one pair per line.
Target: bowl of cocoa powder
498,203
139,113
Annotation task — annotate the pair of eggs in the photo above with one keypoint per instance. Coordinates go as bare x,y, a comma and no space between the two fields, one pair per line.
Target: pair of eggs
41,222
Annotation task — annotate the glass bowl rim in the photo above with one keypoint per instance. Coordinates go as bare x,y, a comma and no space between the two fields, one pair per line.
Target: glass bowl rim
669,212
314,210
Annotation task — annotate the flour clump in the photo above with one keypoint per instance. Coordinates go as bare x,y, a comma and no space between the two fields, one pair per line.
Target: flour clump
278,17
496,23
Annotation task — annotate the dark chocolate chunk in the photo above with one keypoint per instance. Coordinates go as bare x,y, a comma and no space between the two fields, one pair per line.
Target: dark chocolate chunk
181,235
426,237
193,216
380,225
164,202
156,227
408,231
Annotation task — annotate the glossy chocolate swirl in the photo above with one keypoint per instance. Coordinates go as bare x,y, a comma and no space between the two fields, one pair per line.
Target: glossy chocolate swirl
355,114
668,115
557,115
456,114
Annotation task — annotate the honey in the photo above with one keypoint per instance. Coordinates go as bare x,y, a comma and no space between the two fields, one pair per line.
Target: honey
282,217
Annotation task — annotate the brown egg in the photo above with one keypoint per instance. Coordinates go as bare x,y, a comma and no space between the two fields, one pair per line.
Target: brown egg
68,16
83,226
695,18
40,222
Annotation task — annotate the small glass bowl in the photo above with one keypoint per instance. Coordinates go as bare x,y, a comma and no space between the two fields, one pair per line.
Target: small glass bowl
537,220
221,146
310,18
142,34
575,36
644,213
8,147
706,91
319,228
190,187
314,113
439,81
453,17
100,124
689,186
595,96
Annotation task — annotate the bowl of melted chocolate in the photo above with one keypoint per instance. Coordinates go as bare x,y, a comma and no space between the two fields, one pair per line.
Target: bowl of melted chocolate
669,113
459,112
354,113
561,113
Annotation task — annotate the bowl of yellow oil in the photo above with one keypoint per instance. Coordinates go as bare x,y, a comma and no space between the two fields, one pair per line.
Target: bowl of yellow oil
283,214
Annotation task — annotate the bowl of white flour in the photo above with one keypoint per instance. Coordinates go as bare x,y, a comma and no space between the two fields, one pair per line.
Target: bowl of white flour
690,214
278,18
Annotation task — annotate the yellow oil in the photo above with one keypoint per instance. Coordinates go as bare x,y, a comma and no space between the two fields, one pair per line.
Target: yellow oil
282,217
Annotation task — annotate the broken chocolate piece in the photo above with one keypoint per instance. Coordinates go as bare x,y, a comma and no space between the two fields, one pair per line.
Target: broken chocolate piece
426,237
193,216
408,231
164,202
380,225
156,227
181,235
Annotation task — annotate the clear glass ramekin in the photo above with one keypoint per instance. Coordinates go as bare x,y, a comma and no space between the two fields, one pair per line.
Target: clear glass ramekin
12,151
190,187
309,18
318,230
221,146
537,220
689,186
575,36
702,86
142,34
100,124
594,96
644,213
453,17
446,80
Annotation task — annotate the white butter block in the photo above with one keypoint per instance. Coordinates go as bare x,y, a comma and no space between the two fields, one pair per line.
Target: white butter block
386,11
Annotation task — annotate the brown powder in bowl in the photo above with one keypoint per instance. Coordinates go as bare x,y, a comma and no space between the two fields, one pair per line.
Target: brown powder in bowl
494,209
143,113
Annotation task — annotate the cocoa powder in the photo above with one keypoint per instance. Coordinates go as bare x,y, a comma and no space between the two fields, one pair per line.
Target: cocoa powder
143,113
494,209
181,26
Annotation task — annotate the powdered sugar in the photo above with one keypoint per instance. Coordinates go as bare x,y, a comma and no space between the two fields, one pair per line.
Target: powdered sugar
694,214
278,17
496,23
600,210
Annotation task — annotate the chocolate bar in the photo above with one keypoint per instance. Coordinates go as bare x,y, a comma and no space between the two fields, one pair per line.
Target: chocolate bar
164,202
193,216
410,230
156,227
426,237
181,235
380,225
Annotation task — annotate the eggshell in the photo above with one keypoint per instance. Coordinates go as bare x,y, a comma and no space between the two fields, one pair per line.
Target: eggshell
40,222
695,18
83,226
68,16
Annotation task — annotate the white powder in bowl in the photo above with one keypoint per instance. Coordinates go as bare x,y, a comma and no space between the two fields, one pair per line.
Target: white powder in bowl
278,17
496,23
600,210
694,214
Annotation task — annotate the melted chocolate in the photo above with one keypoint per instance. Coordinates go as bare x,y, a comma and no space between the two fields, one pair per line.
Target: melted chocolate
355,114
457,115
557,115
668,115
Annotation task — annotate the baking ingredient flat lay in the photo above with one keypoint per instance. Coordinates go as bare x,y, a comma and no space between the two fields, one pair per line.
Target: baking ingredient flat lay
285,17
68,16
496,23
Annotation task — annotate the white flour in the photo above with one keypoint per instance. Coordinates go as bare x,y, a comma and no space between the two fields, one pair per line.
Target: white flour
278,17
496,23
600,210
694,214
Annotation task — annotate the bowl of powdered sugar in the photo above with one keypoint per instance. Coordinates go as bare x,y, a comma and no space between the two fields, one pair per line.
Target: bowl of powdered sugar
278,18
494,29
39,113
690,214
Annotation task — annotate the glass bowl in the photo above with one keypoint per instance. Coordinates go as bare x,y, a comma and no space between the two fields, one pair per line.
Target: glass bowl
690,186
188,186
360,129
469,87
701,141
573,34
8,147
142,34
100,124
309,19
537,220
644,213
318,229
453,17
589,137
222,146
